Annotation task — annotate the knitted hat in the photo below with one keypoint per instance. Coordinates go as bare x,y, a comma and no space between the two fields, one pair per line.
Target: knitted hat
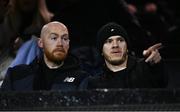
110,29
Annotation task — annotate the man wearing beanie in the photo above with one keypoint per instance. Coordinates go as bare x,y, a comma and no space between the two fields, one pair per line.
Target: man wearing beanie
122,70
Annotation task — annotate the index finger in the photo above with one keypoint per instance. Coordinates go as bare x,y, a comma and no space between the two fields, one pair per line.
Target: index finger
156,46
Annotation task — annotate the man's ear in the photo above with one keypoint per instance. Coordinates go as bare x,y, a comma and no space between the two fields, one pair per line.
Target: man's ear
40,43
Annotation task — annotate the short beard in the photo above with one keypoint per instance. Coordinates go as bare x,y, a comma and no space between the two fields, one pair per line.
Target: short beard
118,61
55,59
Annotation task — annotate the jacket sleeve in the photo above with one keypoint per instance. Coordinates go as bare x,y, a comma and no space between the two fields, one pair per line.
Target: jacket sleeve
159,75
7,82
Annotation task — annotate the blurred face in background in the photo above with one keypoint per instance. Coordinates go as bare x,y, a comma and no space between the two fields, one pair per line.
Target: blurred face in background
151,8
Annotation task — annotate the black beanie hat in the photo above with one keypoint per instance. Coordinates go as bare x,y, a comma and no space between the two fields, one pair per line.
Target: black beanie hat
110,29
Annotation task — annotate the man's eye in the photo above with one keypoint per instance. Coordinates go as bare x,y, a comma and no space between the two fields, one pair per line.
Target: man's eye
120,39
53,38
108,41
65,39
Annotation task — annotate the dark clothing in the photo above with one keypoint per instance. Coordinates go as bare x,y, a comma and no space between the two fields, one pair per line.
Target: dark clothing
37,76
138,74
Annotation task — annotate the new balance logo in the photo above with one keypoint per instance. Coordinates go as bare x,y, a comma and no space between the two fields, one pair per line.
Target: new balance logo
69,79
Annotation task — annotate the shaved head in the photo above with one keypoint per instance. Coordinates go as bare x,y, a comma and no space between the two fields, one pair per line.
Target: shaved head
46,27
55,42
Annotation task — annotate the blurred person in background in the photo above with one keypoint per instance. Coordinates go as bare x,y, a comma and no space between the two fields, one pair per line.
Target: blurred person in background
23,21
159,20
3,9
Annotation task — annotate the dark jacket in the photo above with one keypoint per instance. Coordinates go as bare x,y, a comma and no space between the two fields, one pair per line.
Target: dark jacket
32,77
138,74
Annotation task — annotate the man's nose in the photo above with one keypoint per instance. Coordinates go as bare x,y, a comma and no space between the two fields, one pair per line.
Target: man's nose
59,41
115,43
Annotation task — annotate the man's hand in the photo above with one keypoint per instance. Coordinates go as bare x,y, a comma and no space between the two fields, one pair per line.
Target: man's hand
152,54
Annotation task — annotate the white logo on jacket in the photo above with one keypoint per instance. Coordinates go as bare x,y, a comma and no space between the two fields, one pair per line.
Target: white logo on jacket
69,79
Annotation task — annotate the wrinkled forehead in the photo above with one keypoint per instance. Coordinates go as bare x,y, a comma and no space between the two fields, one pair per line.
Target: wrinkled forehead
55,27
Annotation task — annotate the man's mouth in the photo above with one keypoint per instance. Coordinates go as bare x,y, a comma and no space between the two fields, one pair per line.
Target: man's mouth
59,50
116,51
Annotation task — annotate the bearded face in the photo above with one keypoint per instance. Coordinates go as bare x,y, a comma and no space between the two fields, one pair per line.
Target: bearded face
56,55
55,42
115,50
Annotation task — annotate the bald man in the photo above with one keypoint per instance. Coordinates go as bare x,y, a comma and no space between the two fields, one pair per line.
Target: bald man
55,70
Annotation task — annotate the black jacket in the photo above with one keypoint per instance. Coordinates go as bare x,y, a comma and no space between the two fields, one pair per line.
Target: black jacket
31,77
138,74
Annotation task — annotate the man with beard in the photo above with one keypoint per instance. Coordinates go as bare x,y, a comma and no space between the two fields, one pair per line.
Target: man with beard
55,70
120,68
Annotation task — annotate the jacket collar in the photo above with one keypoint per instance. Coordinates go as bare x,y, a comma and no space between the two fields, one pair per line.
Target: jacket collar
71,62
130,63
